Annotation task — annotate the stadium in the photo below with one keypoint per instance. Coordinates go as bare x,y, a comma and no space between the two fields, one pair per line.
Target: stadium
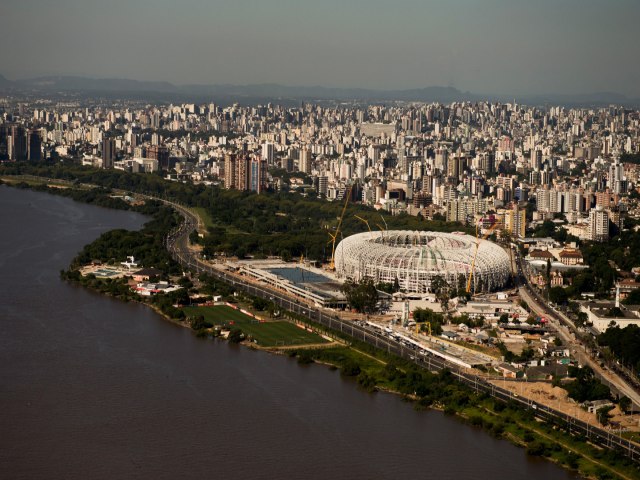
416,258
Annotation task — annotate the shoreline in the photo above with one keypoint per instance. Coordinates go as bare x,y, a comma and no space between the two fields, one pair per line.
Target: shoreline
463,417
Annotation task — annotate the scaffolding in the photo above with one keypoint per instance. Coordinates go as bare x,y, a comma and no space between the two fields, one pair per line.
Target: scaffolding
416,258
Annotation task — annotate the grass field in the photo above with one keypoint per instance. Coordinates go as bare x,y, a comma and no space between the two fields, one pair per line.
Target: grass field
267,334
208,221
204,216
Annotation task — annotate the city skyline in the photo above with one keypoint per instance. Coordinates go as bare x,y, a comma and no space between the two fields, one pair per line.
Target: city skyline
493,48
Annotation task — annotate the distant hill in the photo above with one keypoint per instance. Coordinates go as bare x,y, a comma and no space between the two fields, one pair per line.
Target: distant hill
4,83
57,83
429,94
157,90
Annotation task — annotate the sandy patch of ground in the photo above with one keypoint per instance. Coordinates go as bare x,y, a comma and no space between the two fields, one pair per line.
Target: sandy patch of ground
557,398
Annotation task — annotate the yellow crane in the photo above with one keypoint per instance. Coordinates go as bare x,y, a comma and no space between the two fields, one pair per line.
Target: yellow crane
427,324
385,222
382,229
475,255
363,220
334,236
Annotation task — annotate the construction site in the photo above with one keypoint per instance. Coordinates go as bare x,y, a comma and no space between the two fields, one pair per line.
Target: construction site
414,259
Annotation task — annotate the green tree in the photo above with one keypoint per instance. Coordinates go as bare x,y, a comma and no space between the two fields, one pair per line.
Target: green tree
615,312
586,386
260,304
633,298
625,404
426,315
558,295
236,335
350,368
442,289
362,296
623,343
581,319
602,414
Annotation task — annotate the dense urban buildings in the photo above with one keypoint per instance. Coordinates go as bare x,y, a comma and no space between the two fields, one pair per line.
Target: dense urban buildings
499,166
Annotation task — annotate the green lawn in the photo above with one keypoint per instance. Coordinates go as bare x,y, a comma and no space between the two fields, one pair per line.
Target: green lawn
209,223
267,334
204,216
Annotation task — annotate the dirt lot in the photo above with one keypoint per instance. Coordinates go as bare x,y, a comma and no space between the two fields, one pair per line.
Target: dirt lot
556,398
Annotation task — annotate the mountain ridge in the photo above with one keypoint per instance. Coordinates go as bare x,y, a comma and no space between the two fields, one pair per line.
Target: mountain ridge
110,86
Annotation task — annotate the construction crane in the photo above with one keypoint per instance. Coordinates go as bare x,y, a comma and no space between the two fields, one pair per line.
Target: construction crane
334,236
363,220
475,255
427,324
382,229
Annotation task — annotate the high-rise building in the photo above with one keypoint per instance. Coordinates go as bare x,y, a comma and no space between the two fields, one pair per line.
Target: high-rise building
599,224
161,154
108,152
34,146
155,120
4,133
304,163
268,152
229,170
617,181
241,177
258,175
323,184
17,143
441,159
515,222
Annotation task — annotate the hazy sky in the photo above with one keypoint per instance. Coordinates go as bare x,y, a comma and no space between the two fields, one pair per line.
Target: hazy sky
484,46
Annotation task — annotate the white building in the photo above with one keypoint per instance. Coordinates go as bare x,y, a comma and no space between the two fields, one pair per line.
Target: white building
599,224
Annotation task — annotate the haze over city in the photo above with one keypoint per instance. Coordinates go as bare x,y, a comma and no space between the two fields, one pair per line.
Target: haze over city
494,47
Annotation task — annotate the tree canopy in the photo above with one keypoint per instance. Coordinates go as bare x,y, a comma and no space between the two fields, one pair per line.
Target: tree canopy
586,386
623,343
244,223
362,296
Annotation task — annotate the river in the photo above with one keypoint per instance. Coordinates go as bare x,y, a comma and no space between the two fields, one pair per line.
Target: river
91,387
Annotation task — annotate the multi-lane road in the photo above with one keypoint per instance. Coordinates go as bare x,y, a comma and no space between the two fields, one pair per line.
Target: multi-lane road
177,244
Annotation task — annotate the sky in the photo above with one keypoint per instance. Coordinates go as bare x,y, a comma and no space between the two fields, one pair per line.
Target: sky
497,47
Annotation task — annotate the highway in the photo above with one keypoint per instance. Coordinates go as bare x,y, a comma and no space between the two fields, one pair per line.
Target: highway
177,244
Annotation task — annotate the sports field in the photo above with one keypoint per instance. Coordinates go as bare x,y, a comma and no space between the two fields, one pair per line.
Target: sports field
267,334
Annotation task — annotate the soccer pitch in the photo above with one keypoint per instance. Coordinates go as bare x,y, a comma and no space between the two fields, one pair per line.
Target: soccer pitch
266,333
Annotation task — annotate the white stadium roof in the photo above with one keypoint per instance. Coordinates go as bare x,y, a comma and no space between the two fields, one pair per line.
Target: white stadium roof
416,257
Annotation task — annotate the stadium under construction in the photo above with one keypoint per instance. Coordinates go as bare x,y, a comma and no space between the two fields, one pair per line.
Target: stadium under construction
416,258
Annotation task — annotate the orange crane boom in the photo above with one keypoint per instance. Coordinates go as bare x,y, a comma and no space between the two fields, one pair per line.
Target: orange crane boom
334,236
363,220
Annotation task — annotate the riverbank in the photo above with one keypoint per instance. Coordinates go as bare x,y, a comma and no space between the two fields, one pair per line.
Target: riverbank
457,397
372,370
